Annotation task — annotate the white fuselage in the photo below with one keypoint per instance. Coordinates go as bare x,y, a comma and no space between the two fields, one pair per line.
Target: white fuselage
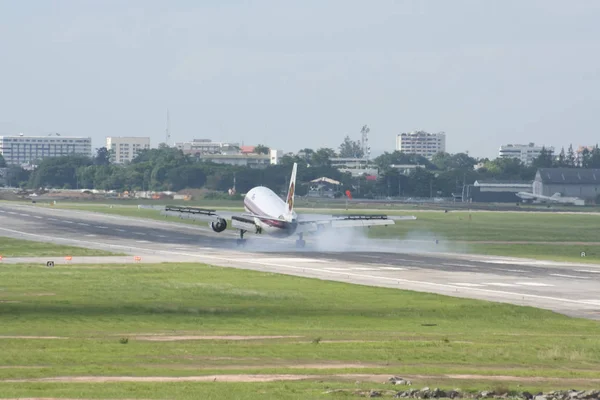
264,202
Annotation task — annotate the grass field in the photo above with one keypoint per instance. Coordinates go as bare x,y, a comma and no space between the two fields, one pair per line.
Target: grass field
10,247
550,236
76,320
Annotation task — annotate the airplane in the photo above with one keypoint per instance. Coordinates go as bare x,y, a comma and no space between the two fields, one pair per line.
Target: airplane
266,213
555,198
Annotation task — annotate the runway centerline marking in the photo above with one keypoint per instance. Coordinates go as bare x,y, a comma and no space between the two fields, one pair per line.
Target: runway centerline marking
533,284
459,265
569,276
500,284
382,278
470,284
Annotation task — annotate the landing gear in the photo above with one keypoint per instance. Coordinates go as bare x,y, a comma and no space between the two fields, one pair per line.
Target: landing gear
241,241
300,243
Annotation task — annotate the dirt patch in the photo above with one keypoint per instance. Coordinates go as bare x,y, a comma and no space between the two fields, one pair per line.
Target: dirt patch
381,378
161,338
263,366
32,337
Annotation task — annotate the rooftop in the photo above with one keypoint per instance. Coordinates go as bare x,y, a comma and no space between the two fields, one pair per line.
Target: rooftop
569,175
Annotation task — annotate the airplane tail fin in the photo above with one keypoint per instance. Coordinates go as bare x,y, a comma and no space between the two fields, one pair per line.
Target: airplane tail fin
291,191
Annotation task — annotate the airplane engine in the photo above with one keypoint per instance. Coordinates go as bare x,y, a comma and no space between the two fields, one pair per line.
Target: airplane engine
219,226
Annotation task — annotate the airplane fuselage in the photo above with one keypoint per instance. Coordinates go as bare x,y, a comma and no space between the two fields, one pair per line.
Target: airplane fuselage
263,201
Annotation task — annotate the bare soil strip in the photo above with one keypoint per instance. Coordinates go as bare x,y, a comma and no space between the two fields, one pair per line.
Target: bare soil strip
161,338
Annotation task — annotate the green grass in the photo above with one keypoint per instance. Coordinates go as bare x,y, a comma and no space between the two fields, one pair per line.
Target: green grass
10,247
393,332
510,234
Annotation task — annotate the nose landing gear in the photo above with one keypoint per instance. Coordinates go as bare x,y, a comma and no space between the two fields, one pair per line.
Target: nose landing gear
241,241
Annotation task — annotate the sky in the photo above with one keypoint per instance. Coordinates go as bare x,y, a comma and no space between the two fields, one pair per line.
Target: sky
300,74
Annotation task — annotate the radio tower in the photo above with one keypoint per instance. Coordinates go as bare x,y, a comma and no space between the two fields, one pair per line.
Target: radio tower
365,142
168,130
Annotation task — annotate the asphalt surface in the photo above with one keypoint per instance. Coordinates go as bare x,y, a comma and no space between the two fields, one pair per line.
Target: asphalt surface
569,288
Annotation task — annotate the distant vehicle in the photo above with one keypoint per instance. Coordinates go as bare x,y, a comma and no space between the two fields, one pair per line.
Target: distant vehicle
556,198
267,213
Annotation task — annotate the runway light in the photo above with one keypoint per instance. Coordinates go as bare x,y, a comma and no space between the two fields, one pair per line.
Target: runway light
137,258
68,258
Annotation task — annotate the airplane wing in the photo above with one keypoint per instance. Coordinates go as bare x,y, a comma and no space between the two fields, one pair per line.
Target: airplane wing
314,223
218,220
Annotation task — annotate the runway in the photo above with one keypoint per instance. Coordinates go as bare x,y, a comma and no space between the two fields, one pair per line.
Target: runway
568,288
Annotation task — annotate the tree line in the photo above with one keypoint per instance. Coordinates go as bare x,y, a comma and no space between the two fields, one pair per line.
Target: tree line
169,169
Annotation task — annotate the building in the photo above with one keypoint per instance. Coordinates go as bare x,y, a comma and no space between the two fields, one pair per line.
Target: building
524,152
275,156
421,143
495,191
323,187
355,166
583,183
125,149
241,160
206,146
406,169
21,149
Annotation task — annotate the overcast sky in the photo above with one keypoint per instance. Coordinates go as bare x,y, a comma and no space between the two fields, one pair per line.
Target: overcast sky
306,73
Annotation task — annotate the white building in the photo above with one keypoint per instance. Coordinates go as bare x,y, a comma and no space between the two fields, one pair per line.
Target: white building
524,152
206,146
275,156
421,143
125,149
241,160
355,166
21,149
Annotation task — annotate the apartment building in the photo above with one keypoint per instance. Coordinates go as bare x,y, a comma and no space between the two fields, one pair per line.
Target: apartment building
524,152
421,143
20,149
125,149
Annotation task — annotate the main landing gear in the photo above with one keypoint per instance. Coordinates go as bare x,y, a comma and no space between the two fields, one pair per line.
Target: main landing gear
241,241
300,243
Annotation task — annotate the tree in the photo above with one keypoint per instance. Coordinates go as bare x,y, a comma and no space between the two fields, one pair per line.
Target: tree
586,156
351,149
2,162
306,155
322,157
445,161
570,160
562,158
595,158
544,160
102,156
261,149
